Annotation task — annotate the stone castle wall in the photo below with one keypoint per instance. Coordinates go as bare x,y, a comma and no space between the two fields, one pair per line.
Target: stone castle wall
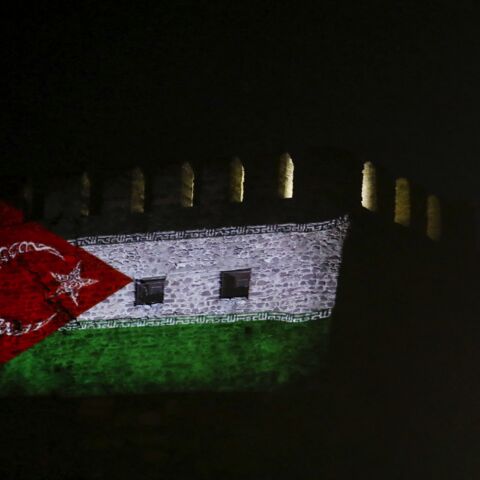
294,269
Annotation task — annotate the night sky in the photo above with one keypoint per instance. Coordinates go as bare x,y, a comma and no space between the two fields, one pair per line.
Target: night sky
99,83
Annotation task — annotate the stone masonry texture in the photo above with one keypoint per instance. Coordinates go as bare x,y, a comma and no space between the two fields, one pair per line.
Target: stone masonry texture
291,272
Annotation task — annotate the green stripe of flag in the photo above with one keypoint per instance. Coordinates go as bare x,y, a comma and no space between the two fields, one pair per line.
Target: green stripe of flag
238,356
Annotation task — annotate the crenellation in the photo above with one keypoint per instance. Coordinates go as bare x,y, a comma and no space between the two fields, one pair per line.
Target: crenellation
295,186
237,181
164,186
418,204
385,194
188,185
261,179
137,197
369,187
213,184
116,195
85,194
64,198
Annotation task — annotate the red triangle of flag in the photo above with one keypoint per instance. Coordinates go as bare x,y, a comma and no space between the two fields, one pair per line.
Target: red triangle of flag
45,282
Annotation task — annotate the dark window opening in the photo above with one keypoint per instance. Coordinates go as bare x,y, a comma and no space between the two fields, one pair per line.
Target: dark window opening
149,291
234,284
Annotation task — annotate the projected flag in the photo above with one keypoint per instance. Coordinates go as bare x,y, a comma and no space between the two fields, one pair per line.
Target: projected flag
45,282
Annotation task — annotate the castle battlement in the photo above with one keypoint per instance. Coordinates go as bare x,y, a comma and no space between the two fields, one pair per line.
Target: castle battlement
289,187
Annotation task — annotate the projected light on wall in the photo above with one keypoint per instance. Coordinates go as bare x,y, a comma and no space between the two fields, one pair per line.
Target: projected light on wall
191,262
187,185
369,187
237,180
285,176
182,325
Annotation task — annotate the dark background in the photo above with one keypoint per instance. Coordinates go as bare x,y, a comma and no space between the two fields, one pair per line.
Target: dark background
115,83
395,82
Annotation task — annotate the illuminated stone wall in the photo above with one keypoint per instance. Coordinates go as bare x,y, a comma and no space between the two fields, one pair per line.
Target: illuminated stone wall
294,269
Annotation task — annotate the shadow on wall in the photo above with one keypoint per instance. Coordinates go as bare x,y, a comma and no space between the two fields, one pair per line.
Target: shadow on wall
404,357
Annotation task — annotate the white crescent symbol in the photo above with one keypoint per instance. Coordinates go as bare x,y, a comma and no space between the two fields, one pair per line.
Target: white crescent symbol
19,248
8,327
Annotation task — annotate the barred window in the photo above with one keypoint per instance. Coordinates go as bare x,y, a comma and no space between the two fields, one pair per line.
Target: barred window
149,291
235,283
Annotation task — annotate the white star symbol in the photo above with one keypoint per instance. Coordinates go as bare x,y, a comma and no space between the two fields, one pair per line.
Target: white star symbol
71,283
